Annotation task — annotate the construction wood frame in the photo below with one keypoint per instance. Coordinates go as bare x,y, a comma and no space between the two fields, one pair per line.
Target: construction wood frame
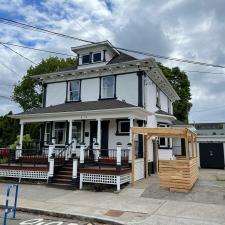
179,174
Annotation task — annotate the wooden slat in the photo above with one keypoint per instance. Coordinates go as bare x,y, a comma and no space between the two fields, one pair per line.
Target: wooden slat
178,175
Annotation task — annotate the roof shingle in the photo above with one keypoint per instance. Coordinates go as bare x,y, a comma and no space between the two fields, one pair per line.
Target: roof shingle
80,106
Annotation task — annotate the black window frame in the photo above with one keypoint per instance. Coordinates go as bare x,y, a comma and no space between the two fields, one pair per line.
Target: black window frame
118,128
96,61
89,58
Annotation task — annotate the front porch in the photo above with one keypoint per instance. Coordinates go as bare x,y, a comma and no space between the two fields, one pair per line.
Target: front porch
90,147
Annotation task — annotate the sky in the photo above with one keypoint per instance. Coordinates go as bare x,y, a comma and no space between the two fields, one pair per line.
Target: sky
187,29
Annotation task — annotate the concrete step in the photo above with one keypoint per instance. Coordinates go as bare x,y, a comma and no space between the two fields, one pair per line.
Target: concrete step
62,180
62,186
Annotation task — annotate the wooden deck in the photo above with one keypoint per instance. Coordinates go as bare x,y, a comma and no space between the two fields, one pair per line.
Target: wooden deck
105,170
178,175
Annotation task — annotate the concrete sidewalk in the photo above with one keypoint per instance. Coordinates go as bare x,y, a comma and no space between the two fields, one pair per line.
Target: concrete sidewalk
127,207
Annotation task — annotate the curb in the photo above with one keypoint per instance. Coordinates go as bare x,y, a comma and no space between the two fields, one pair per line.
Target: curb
67,216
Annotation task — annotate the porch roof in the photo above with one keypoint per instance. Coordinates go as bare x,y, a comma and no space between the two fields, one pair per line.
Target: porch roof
83,109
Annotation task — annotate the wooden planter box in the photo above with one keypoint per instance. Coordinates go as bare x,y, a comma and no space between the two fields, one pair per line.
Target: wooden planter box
178,175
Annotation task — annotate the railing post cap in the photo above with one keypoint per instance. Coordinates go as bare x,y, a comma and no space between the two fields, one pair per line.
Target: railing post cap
118,144
129,144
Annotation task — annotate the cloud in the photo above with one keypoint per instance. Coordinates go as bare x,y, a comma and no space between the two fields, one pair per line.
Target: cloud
185,29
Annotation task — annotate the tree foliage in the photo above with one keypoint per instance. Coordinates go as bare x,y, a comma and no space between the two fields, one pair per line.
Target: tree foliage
181,84
9,129
28,94
28,91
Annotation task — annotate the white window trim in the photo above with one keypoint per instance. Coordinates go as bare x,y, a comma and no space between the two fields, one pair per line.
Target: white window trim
45,134
158,103
78,144
69,92
119,126
166,139
113,87
64,132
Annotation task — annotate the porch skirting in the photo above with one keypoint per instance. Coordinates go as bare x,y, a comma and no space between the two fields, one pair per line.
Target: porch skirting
26,173
104,179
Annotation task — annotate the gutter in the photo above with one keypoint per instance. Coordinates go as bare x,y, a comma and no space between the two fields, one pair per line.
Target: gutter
130,109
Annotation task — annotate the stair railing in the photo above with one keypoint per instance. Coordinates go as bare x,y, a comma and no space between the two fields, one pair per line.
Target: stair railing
56,161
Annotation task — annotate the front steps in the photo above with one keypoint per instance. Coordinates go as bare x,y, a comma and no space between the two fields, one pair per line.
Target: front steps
63,177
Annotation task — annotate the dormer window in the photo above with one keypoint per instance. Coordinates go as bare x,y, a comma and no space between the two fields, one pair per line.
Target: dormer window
85,59
74,90
97,57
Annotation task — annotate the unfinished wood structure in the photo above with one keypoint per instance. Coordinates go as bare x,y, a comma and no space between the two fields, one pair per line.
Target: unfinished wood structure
179,174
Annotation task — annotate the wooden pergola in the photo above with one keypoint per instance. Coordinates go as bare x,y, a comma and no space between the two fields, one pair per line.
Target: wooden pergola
179,174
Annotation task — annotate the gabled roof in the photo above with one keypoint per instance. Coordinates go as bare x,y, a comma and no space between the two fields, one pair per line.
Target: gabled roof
80,106
122,57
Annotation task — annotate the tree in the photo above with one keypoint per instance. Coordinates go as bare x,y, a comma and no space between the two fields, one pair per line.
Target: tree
181,84
9,129
28,92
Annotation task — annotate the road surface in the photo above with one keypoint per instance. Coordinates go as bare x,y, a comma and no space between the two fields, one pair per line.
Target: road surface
35,219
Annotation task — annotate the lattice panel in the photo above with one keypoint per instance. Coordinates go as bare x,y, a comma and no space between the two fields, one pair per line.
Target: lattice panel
24,174
125,178
99,178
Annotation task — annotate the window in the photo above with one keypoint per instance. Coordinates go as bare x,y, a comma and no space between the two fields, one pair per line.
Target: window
163,142
97,57
158,97
76,132
123,127
107,87
74,90
60,132
169,105
86,59
47,137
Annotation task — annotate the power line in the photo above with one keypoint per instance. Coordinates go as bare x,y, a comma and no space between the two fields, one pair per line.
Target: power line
209,109
13,71
204,72
19,54
31,27
36,49
6,97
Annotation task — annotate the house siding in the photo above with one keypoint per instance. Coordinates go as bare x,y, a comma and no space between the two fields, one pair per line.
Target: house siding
127,88
56,93
90,89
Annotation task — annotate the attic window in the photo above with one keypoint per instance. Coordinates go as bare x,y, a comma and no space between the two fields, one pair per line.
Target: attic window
97,57
85,59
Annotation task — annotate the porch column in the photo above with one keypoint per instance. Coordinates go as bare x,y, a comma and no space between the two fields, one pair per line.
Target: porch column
131,125
99,132
70,130
21,134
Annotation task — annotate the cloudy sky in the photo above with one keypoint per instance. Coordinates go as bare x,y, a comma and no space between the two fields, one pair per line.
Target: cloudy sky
187,29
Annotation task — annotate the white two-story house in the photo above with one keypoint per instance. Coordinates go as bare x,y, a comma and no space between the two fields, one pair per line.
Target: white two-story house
101,98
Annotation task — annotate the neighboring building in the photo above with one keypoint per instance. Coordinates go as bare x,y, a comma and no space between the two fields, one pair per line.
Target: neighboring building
211,144
100,99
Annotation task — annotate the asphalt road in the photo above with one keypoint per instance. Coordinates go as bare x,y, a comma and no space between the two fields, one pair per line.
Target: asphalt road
35,219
